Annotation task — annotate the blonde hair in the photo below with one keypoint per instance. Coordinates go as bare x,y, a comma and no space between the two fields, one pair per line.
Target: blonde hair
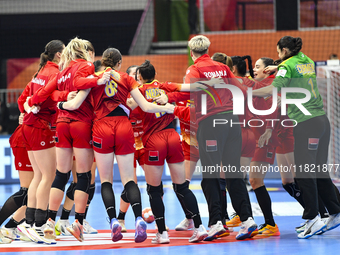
75,49
223,58
199,44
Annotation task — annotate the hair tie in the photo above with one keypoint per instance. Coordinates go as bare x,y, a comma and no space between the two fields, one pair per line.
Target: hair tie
46,52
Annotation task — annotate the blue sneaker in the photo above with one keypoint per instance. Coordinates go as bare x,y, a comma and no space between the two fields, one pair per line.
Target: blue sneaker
140,234
116,230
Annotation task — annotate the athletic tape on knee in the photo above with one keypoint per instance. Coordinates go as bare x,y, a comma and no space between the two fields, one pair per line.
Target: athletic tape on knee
20,197
84,181
60,180
154,189
124,196
70,190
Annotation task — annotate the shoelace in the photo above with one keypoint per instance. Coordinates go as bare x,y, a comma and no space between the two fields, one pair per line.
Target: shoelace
262,226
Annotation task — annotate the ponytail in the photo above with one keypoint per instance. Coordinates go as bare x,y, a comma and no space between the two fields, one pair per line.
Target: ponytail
241,65
293,44
48,55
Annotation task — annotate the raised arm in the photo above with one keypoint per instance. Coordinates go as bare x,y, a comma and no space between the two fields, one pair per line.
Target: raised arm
43,93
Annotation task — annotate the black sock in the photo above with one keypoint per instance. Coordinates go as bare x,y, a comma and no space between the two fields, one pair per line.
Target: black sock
133,195
12,223
30,215
265,204
185,195
294,191
52,214
80,217
223,184
185,210
40,217
121,215
86,209
65,214
108,199
157,206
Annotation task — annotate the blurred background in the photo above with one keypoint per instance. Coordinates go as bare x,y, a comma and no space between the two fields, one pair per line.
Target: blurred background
159,30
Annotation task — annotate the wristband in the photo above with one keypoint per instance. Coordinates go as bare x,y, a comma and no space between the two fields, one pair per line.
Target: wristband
60,105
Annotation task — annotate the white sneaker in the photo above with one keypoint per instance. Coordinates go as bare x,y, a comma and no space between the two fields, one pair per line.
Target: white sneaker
4,240
333,221
301,228
214,231
312,227
247,228
199,234
76,229
161,238
23,229
49,230
37,233
10,233
122,224
185,224
61,226
88,229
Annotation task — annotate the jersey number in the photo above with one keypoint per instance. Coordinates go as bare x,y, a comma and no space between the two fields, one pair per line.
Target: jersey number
310,82
159,114
111,88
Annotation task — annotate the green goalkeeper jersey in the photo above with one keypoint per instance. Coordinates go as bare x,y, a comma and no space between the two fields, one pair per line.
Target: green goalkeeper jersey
299,72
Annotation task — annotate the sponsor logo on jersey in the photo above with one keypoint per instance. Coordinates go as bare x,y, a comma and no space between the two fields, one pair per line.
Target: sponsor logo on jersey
211,145
42,143
281,73
153,156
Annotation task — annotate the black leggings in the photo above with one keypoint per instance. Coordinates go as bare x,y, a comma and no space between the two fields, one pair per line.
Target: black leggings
222,143
311,153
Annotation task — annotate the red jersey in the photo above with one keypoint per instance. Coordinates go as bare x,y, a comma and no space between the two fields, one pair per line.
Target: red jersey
115,93
205,68
154,122
136,121
247,81
72,78
47,107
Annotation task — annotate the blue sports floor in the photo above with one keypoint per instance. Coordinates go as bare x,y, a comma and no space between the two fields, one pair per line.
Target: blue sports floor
287,216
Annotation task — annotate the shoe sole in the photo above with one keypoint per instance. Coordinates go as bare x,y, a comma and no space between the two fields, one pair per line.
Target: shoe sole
162,242
199,239
40,239
116,233
49,234
247,235
140,234
213,237
310,235
74,234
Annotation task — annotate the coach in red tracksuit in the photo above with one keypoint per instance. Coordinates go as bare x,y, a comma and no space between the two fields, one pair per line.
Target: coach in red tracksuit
221,143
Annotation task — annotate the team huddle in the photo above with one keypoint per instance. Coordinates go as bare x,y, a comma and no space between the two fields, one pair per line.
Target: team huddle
78,114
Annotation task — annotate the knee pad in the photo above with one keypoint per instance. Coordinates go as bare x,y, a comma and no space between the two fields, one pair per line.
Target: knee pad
61,180
20,197
124,196
70,190
92,188
84,181
180,189
154,190
292,189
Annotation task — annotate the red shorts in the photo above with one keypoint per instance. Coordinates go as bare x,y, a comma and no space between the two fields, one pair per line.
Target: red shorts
75,134
248,143
191,153
113,134
165,144
286,145
21,160
264,154
139,156
37,138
